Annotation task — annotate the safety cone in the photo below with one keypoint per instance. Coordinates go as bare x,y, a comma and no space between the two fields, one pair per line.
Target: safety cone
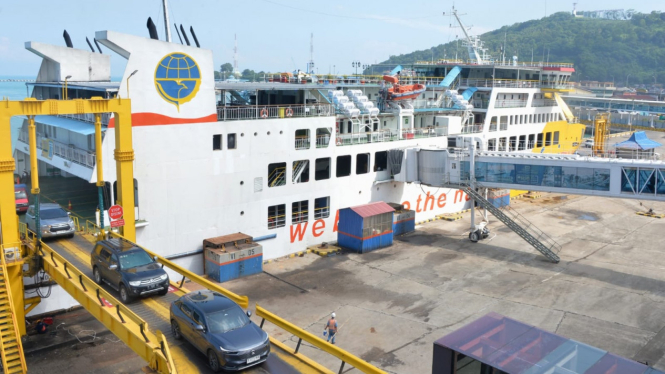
69,206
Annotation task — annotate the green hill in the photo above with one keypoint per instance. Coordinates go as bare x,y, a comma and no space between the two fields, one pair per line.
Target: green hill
600,49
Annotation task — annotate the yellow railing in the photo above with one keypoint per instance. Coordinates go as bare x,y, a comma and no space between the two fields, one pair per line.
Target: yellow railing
76,222
17,335
276,176
243,301
125,324
346,357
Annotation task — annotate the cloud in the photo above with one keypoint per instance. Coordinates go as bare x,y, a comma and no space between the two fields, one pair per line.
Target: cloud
414,23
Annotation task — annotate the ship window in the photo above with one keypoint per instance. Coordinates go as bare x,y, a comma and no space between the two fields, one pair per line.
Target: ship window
322,169
216,142
522,144
300,173
556,138
369,96
349,127
491,145
530,118
502,144
322,207
276,216
510,120
504,122
381,161
493,123
513,144
323,137
548,138
532,139
302,139
362,163
539,142
299,211
231,141
277,174
343,166
115,194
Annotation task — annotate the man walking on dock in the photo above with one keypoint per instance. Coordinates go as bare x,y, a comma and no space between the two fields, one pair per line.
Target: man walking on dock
331,326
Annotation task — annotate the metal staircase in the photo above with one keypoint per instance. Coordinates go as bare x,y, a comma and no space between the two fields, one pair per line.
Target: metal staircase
277,177
11,348
298,169
520,225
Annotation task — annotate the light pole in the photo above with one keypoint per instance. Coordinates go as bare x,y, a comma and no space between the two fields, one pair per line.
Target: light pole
130,75
356,65
627,75
333,69
365,68
64,93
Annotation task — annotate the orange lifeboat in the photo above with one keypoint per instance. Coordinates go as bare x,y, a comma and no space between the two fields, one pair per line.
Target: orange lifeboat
402,92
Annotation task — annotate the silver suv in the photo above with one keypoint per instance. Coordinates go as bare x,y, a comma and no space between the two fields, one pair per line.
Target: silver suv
53,219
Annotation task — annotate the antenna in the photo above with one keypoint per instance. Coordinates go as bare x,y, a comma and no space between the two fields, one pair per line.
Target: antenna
473,43
165,5
235,55
310,67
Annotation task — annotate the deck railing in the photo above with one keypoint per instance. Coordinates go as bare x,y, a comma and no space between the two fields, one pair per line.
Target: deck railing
543,103
87,117
510,104
66,151
236,113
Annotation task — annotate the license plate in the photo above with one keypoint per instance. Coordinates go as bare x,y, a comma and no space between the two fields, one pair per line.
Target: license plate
253,359
151,286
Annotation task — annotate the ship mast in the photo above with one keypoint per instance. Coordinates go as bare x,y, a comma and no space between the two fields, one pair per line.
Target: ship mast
472,42
167,29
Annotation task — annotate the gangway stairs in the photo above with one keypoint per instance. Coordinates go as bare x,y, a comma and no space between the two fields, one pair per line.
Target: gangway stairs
542,242
13,360
298,168
236,95
277,177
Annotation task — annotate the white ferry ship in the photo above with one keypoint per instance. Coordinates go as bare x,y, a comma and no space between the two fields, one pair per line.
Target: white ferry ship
278,158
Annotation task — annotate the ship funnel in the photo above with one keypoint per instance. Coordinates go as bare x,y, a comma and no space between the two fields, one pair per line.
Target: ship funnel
184,34
68,40
89,44
178,32
152,29
191,29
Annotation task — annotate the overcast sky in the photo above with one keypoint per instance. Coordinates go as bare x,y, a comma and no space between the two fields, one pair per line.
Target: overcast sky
273,35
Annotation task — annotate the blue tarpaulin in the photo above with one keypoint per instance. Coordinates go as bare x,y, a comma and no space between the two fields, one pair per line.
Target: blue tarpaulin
639,141
450,78
468,93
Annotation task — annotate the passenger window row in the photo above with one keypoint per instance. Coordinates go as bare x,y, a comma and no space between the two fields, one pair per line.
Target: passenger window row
300,212
523,142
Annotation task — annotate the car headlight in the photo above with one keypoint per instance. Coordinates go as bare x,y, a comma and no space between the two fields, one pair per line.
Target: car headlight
227,351
163,277
135,283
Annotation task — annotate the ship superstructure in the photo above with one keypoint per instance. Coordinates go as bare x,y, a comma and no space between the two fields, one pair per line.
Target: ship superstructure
278,158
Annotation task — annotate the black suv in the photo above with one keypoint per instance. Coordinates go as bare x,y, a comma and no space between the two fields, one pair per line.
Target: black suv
127,268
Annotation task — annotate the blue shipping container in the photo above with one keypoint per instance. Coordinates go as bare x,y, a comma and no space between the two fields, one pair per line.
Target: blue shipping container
222,266
354,235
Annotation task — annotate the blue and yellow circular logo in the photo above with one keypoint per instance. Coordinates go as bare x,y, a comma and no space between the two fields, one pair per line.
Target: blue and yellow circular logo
177,78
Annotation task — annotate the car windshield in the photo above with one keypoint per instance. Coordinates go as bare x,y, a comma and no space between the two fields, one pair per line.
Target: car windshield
134,259
53,213
227,320
20,194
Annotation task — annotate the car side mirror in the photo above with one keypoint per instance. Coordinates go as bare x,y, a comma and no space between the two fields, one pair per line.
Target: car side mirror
200,328
155,258
249,313
69,213
113,267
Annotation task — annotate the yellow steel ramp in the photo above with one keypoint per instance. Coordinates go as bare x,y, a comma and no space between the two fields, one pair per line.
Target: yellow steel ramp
154,311
11,349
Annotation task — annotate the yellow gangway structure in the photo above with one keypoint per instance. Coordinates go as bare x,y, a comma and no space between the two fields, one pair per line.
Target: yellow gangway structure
13,360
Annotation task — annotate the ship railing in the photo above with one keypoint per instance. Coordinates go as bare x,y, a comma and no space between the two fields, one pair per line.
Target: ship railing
543,103
510,104
322,141
365,137
276,221
302,142
502,83
498,63
557,85
299,216
480,104
322,212
250,112
472,129
66,151
87,117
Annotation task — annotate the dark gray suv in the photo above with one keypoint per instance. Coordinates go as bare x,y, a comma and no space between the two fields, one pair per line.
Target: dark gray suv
127,268
219,328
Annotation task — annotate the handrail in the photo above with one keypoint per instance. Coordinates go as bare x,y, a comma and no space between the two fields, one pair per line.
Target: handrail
302,334
3,264
124,323
243,301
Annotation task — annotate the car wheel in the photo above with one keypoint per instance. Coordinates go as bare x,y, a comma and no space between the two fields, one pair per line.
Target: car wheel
213,361
175,329
124,294
97,275
474,237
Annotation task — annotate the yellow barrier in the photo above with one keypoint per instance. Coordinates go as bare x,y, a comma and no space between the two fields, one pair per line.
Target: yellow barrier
243,301
124,323
334,350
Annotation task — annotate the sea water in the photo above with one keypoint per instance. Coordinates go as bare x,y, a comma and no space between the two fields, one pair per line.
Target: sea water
15,91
